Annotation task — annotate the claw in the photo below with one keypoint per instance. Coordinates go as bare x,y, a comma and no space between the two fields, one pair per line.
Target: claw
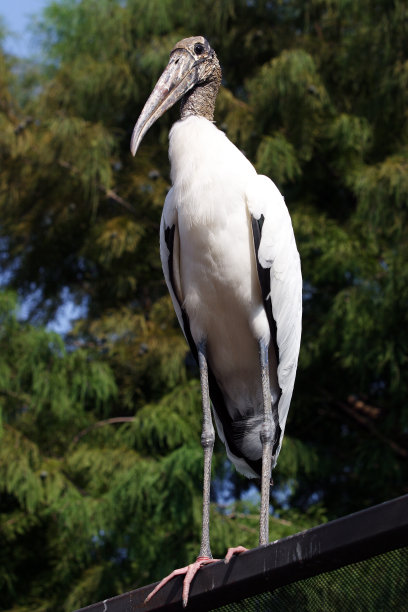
234,551
189,571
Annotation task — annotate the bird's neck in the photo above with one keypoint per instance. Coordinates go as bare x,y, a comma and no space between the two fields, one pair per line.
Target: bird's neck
200,101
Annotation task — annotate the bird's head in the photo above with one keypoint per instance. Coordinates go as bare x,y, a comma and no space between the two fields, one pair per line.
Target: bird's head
194,74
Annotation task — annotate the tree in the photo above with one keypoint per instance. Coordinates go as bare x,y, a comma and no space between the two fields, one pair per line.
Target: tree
101,428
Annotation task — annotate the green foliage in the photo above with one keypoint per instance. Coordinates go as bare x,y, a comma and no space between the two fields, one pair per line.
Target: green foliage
277,157
100,457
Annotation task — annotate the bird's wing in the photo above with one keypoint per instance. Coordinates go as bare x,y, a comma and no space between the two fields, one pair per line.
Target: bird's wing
170,258
281,281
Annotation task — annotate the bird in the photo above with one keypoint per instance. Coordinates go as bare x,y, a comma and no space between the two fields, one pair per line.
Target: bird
232,268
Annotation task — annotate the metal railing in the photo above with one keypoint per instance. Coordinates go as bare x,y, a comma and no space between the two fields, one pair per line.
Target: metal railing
351,539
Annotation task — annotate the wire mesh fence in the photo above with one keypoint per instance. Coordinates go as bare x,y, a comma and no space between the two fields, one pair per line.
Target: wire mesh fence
379,584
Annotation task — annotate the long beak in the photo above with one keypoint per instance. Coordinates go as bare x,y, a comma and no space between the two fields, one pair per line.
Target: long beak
180,75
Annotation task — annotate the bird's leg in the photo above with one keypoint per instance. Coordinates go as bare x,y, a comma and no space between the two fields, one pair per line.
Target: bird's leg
266,439
207,442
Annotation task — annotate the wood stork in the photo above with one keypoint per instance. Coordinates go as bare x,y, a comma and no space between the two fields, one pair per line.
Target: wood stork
233,272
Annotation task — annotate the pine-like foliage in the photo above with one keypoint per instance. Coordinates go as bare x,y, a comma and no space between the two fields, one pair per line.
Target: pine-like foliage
100,457
91,503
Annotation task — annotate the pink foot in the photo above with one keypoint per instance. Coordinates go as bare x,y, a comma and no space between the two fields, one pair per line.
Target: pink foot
233,551
190,571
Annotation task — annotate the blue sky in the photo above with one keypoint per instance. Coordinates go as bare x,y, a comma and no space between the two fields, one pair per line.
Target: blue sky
17,16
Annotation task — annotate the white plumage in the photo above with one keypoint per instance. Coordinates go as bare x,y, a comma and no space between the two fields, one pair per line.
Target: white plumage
215,191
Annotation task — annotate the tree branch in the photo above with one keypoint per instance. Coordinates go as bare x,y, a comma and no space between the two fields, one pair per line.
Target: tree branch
354,408
365,422
110,194
99,424
21,397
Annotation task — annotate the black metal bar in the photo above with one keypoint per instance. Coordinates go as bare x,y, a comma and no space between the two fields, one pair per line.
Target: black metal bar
350,539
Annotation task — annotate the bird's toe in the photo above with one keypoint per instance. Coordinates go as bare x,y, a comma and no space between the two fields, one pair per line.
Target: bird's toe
189,571
236,550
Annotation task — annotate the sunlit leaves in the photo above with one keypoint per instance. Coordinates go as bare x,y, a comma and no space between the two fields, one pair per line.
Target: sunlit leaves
276,158
288,86
384,182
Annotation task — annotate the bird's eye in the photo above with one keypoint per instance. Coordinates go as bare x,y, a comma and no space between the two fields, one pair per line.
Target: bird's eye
198,49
